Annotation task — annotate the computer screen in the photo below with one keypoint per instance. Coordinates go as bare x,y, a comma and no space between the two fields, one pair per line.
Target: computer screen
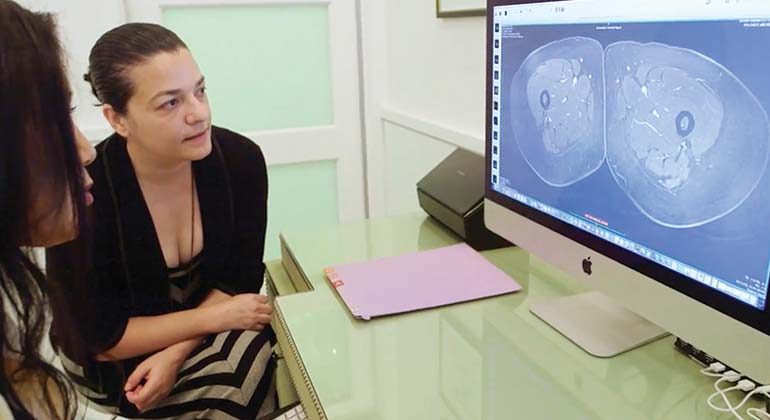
651,134
640,129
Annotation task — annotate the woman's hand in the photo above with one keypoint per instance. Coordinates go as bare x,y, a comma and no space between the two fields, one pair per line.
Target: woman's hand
153,379
248,311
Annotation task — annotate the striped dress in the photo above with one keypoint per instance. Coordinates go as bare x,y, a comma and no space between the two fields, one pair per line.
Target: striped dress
228,376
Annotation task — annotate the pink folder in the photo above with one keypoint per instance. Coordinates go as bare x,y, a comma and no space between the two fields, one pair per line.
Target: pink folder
421,280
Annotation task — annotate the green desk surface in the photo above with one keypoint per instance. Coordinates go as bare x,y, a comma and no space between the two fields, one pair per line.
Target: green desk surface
489,359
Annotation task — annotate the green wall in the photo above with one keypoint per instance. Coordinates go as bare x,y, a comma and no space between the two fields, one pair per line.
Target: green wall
268,68
303,194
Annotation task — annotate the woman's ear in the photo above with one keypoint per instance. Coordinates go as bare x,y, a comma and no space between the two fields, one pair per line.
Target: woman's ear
116,120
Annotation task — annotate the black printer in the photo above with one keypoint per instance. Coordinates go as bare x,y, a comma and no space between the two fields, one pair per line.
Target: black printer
453,193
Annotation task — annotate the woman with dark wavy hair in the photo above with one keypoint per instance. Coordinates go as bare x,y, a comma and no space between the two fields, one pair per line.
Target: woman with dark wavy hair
43,195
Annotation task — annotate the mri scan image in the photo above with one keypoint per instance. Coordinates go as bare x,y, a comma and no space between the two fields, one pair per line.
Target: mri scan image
683,137
564,105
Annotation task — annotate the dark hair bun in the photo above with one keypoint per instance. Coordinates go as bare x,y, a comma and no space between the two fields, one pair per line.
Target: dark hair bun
87,78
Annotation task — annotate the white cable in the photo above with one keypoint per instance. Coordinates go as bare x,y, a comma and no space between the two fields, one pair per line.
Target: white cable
723,393
709,373
717,367
713,375
714,370
761,390
762,414
745,388
730,376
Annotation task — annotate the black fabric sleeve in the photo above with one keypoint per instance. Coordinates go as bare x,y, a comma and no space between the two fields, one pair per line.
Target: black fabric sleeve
110,302
107,296
248,181
101,310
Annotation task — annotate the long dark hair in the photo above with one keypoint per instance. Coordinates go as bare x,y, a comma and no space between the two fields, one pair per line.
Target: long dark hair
38,155
117,51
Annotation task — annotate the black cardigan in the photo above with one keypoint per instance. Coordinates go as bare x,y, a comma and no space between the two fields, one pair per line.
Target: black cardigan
129,276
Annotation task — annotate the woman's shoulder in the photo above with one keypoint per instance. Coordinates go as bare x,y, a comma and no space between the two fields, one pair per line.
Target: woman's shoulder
239,152
108,143
97,168
236,145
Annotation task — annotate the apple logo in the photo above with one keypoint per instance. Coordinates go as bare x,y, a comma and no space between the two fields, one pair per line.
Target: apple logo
587,265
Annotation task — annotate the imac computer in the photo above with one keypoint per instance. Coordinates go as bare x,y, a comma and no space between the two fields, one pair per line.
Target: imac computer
627,144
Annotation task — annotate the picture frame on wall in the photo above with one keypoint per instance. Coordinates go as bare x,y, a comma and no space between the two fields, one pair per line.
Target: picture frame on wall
460,8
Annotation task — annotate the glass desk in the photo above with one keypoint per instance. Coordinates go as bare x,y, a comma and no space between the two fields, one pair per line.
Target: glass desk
490,359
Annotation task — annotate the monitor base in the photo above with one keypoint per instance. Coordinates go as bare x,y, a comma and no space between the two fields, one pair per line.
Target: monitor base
597,324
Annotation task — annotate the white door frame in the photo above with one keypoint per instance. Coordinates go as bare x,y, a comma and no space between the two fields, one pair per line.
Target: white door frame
340,141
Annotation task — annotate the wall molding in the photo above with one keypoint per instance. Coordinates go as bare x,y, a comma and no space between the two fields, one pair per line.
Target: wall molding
374,81
165,4
96,134
280,147
297,145
441,132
